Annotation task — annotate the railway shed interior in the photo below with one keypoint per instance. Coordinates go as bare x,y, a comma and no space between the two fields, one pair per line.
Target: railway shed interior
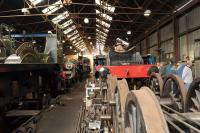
99,66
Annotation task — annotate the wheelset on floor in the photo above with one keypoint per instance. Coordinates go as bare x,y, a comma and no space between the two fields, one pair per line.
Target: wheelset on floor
133,111
174,90
171,91
156,84
143,113
193,97
120,94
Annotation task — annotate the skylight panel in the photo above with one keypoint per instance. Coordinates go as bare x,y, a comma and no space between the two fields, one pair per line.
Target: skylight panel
76,43
35,2
97,2
103,23
74,37
101,40
60,17
108,7
100,43
124,42
69,29
66,24
98,31
103,15
72,34
103,37
81,44
77,40
103,30
105,6
52,8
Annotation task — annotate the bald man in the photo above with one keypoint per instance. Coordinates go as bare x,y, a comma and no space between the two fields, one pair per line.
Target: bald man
187,74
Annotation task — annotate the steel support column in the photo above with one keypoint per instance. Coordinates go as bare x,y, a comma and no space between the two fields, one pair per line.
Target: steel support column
159,44
147,42
176,40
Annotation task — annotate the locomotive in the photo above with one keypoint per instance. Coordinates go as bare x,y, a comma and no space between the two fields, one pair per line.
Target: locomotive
28,81
70,69
128,64
74,70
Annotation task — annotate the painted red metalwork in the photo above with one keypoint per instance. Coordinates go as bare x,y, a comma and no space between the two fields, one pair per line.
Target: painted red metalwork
128,71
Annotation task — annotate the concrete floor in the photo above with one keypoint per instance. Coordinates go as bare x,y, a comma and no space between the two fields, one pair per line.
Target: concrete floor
63,119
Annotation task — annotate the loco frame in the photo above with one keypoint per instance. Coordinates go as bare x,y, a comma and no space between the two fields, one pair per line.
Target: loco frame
128,65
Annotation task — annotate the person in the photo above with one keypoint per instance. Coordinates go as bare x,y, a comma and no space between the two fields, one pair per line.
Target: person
187,74
180,67
80,70
170,68
162,69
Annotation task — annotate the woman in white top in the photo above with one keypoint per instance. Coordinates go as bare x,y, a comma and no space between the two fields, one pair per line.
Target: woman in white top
187,74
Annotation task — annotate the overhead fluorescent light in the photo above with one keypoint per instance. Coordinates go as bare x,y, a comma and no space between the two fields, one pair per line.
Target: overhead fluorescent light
103,15
86,20
52,8
147,13
60,17
103,23
49,32
129,32
69,29
35,2
25,11
66,24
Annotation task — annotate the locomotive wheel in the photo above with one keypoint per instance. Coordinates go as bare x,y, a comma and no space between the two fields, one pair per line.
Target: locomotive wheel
112,83
103,92
156,83
20,130
143,113
174,89
193,97
121,93
31,128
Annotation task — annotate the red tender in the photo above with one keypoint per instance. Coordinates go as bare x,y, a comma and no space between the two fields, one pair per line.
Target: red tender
128,71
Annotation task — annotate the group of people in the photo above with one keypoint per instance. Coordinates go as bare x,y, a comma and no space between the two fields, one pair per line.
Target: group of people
182,69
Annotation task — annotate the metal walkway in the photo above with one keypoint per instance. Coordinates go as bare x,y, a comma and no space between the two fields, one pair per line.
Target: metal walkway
63,119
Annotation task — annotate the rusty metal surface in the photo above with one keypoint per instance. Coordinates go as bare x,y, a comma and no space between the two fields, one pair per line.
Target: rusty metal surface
160,83
193,97
147,107
112,84
180,92
123,92
120,94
